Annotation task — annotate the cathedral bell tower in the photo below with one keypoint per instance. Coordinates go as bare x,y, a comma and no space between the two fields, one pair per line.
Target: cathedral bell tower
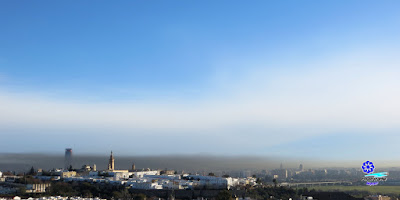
111,162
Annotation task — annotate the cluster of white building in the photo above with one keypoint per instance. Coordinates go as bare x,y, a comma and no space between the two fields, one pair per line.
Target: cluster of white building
151,179
137,179
147,179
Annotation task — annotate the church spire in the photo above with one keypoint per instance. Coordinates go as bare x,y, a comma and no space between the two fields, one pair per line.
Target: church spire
111,162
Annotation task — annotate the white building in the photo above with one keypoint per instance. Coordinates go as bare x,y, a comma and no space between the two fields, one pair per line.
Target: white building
140,174
145,185
176,185
120,175
168,177
93,174
37,188
47,178
212,181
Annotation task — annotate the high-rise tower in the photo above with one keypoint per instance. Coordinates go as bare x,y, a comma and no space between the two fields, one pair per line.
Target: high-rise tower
111,162
68,158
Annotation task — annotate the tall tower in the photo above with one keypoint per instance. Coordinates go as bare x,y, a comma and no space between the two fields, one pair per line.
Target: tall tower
111,162
68,158
301,167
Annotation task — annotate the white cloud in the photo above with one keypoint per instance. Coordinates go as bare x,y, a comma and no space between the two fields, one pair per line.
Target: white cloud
354,93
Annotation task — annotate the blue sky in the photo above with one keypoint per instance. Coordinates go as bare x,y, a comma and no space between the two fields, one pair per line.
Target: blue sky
182,77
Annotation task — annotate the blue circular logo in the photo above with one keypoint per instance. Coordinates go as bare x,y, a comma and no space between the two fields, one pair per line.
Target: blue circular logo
368,167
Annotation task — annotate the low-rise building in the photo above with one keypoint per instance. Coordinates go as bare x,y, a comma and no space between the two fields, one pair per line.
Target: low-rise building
140,174
67,174
145,185
212,181
167,172
37,188
48,178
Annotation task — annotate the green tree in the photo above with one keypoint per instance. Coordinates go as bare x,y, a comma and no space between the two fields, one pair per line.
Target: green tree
275,182
258,180
32,171
140,197
87,194
224,195
62,189
21,191
117,195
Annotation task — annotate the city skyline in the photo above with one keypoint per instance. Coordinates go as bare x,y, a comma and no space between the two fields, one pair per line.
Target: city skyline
307,80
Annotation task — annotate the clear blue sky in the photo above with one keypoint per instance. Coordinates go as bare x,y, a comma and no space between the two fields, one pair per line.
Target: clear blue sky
180,72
